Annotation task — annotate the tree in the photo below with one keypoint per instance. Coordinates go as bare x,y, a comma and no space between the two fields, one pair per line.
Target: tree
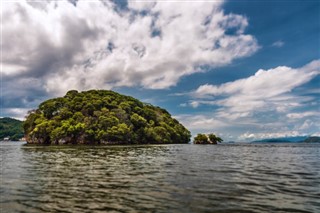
200,139
204,139
138,121
214,139
120,133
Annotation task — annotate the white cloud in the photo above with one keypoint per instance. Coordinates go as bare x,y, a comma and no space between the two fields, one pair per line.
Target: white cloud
256,136
141,5
93,45
302,114
262,91
12,69
278,43
306,124
17,113
201,122
262,105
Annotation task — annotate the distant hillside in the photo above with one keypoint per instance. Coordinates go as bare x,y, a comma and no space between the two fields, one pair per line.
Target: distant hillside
312,139
11,128
271,140
297,139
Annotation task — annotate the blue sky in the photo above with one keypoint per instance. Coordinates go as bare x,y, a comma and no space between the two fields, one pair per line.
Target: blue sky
244,70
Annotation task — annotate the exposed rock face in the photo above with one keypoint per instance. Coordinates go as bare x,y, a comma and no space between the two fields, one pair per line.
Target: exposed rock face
101,117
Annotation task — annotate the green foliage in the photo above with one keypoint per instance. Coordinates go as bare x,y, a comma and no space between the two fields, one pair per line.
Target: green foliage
101,117
138,121
201,139
204,139
214,139
11,128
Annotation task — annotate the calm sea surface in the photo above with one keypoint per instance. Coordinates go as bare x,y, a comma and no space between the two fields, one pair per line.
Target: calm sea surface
160,178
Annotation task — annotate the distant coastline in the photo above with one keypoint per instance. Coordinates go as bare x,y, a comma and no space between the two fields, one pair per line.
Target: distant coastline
298,139
11,129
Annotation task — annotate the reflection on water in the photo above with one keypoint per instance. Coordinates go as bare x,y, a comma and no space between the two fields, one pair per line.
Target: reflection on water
160,178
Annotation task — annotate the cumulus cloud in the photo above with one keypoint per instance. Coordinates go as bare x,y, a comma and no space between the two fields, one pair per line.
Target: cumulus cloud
83,45
265,103
264,89
17,113
203,122
255,136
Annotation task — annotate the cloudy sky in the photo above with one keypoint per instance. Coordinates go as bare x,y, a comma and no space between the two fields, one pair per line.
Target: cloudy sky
242,69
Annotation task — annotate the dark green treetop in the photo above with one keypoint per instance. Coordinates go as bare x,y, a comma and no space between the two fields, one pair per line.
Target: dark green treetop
214,139
207,139
101,117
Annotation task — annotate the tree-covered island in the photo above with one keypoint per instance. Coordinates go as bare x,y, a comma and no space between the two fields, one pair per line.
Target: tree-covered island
101,117
207,139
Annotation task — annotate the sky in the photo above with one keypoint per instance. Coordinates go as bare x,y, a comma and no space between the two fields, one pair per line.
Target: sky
244,70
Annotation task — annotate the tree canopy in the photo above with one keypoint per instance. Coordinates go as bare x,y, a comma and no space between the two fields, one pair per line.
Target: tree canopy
207,139
11,128
101,117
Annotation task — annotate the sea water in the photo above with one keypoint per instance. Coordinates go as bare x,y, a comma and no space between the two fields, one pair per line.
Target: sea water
160,178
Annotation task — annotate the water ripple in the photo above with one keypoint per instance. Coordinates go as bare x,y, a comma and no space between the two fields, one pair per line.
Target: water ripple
164,178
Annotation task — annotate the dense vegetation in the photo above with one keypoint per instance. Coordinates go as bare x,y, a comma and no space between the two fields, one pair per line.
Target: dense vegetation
11,128
207,139
101,117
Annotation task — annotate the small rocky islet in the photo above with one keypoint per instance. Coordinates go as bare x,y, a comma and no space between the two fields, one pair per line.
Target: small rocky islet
101,117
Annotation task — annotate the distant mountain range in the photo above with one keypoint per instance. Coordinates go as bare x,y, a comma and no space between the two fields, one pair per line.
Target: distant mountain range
296,139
